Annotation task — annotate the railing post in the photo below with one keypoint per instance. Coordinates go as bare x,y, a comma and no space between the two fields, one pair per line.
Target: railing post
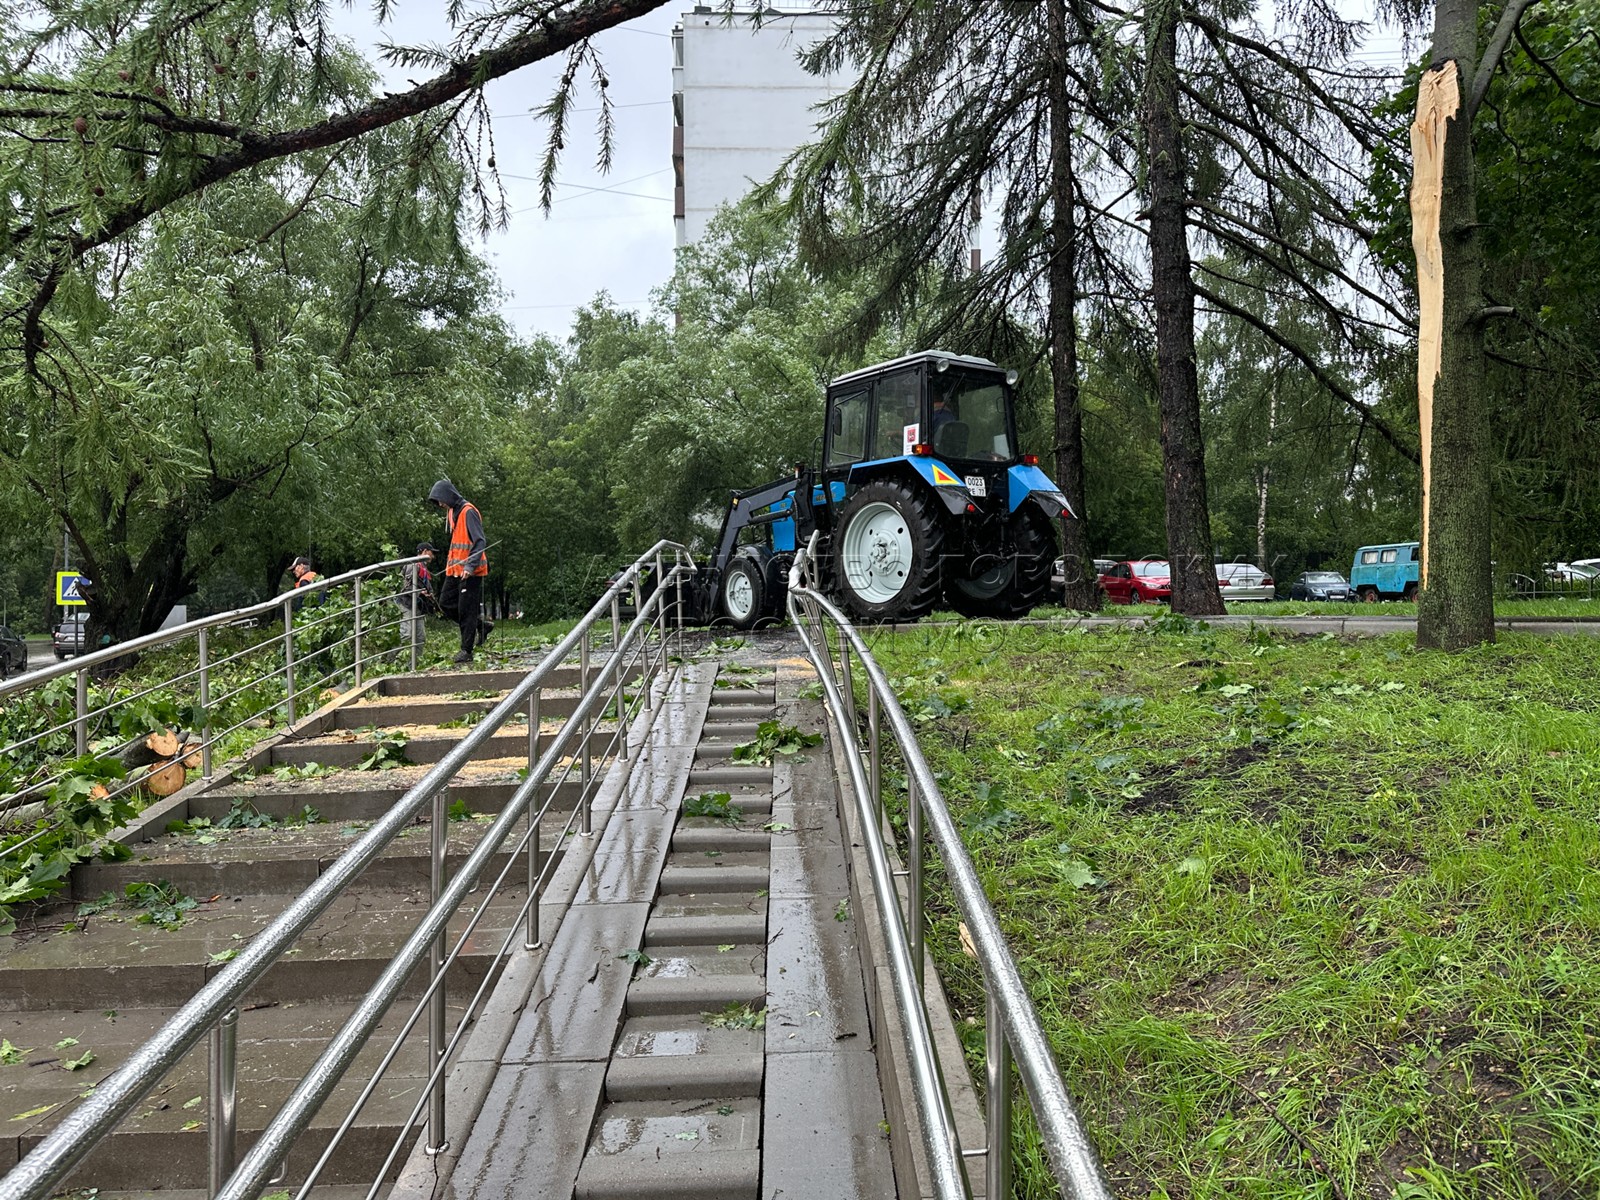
531,940
288,657
358,631
436,1041
997,1073
678,572
874,760
81,703
223,1110
915,920
585,769
205,704
848,686
415,630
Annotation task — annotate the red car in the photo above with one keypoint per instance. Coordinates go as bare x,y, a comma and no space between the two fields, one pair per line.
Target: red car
1142,581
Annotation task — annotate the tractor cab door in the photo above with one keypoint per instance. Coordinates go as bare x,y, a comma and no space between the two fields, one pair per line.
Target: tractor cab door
844,444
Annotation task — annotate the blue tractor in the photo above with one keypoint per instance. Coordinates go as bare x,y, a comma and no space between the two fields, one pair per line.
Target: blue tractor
921,500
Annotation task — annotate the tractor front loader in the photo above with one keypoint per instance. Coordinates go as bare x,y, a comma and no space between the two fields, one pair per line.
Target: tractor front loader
921,500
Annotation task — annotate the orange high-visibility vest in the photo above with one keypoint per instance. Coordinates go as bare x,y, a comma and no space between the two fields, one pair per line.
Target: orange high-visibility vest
461,547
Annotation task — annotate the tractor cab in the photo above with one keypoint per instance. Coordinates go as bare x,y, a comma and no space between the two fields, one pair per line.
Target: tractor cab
946,406
922,499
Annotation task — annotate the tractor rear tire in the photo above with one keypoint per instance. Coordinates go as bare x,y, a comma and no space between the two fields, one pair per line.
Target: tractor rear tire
1018,585
744,593
888,552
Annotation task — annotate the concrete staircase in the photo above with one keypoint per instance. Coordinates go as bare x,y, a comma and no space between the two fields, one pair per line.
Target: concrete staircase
94,980
724,1050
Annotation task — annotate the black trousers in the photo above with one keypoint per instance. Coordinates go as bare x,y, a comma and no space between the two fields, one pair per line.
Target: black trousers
463,599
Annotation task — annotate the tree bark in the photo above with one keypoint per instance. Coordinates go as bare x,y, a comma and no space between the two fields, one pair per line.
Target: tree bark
1189,547
1264,479
1456,606
1082,583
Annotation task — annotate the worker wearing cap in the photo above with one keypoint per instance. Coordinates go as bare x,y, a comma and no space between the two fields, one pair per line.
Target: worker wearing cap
466,563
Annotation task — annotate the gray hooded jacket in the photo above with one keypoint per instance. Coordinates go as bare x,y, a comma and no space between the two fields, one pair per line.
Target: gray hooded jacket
444,492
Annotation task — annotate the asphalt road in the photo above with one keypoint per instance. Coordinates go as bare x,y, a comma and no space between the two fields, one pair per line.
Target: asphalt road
40,655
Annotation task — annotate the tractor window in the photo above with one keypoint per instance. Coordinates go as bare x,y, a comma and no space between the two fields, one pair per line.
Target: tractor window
896,397
969,418
847,429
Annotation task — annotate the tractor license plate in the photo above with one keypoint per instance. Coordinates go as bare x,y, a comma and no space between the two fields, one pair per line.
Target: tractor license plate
977,485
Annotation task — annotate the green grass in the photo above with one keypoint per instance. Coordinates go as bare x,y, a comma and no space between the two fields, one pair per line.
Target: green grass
1303,916
1384,608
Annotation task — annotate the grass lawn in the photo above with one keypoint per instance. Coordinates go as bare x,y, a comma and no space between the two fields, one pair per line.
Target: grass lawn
1573,607
1304,916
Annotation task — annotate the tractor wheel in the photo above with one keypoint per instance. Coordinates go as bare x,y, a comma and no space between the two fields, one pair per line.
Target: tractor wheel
1014,587
744,593
887,553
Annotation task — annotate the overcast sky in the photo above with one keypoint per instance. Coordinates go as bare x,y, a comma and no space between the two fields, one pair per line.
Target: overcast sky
611,232
605,232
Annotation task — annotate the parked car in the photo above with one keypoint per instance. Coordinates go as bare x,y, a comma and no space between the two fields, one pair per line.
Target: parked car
1058,575
1241,581
68,636
1138,581
13,652
1571,573
1320,585
1387,572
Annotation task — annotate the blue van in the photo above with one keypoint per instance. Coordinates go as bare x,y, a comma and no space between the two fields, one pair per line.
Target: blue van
1391,572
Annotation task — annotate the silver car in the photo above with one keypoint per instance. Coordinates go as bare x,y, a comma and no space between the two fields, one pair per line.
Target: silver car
1241,581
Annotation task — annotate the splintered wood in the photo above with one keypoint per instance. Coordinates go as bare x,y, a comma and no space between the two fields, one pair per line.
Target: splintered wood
1438,100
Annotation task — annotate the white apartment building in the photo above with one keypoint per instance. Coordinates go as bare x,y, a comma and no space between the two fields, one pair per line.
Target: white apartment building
741,102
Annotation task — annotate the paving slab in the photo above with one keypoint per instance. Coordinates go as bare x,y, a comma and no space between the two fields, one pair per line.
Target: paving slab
823,1135
530,1138
575,1009
674,1150
815,994
669,1057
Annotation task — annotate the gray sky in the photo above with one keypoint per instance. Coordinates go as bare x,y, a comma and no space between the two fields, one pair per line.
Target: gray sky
610,232
605,232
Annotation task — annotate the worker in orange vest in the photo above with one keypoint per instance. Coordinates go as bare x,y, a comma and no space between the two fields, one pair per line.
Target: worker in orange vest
466,563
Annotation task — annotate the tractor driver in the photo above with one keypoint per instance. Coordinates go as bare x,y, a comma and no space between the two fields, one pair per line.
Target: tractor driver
943,416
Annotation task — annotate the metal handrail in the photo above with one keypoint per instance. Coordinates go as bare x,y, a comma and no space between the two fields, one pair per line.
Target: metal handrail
1013,1023
213,1008
162,636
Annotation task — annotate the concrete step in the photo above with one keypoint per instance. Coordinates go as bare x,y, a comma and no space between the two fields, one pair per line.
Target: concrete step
696,835
744,709
725,702
340,798
683,1058
454,683
710,920
727,778
702,872
427,710
116,962
729,731
426,745
674,1150
274,861
689,980
163,1144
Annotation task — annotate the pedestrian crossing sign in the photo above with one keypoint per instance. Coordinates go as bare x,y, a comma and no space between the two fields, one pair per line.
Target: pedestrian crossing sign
67,589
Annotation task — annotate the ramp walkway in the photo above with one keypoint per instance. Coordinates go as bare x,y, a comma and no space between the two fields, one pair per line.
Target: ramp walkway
629,919
700,1021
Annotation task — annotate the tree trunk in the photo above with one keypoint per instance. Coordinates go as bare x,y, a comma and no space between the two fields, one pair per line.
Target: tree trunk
1264,479
1082,583
1194,576
1456,606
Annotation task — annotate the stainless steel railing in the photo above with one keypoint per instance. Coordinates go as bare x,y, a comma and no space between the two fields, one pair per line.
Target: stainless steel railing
264,673
632,678
1013,1027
